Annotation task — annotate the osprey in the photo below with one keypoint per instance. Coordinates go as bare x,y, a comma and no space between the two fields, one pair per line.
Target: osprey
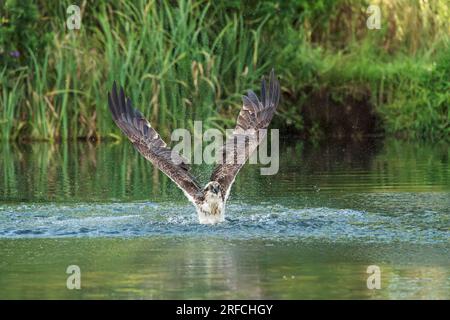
250,130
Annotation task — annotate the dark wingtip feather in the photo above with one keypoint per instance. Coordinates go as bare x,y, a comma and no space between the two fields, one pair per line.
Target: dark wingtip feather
270,91
275,89
123,113
256,105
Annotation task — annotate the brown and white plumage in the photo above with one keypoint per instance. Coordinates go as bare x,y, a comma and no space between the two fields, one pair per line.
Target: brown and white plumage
254,117
252,122
148,142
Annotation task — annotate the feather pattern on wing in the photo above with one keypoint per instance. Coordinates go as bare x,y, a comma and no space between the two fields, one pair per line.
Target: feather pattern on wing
252,122
148,142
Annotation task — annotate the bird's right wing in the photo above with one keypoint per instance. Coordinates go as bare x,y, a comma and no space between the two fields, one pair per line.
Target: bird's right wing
148,142
253,120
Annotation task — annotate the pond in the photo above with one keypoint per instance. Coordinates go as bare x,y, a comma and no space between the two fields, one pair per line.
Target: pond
311,231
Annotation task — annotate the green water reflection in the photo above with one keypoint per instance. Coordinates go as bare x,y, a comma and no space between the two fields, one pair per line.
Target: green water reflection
405,181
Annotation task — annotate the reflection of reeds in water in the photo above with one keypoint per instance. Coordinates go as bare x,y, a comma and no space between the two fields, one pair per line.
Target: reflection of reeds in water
217,268
417,282
43,171
9,181
412,166
372,165
96,172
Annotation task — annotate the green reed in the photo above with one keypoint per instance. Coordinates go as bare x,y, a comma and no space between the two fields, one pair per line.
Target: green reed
194,59
9,124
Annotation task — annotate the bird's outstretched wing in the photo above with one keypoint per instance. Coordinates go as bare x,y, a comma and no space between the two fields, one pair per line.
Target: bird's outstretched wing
148,142
252,122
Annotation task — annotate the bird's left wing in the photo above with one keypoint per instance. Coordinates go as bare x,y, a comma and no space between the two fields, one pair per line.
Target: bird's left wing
253,120
148,142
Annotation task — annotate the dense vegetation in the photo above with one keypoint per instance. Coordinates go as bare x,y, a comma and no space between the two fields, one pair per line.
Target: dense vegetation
188,60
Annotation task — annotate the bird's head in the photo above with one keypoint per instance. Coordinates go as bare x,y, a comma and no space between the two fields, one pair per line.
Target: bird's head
213,188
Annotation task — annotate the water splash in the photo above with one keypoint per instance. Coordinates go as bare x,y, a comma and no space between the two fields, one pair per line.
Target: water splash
244,221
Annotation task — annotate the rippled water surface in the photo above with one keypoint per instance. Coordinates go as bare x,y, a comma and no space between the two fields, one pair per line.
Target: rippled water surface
310,231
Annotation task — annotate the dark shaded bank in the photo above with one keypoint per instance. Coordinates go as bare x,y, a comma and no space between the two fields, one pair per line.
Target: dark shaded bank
352,118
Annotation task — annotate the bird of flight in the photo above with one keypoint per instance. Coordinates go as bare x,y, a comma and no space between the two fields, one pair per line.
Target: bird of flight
252,122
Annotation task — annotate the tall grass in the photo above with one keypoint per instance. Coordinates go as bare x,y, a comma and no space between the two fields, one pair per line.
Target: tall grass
11,90
193,59
175,64
401,72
